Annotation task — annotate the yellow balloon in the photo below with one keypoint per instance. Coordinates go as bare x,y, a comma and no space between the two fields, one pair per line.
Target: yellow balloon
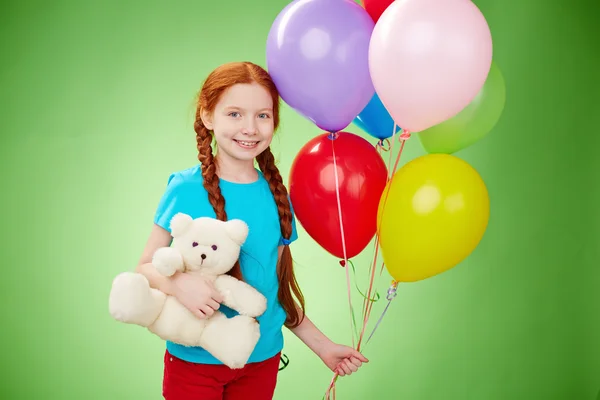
431,216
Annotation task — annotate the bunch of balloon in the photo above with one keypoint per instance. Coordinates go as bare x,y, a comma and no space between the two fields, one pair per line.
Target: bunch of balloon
406,64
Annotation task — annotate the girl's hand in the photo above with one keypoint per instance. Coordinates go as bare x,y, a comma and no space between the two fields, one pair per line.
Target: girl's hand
197,294
341,359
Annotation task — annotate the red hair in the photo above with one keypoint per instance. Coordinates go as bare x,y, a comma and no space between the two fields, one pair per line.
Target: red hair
216,83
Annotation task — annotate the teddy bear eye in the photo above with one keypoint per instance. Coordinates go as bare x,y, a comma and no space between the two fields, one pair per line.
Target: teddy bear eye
194,244
214,247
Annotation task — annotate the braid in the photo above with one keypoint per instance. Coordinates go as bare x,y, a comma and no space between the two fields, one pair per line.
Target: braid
288,284
266,162
210,178
209,170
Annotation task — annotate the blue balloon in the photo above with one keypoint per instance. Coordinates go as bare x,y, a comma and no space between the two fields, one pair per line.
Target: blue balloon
375,120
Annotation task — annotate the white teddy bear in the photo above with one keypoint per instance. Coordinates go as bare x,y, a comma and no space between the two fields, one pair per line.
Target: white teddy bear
207,247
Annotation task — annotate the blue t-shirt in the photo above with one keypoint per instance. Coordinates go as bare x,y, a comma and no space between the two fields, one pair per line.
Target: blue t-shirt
254,204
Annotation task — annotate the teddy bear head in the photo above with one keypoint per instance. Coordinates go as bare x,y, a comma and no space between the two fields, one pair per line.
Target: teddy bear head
208,244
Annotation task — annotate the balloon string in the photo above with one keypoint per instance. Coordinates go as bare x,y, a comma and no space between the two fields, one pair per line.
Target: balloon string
331,389
372,299
368,305
343,237
391,153
403,138
391,294
330,394
367,302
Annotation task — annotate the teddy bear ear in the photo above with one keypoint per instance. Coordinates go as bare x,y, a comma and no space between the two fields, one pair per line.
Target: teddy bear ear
180,223
237,230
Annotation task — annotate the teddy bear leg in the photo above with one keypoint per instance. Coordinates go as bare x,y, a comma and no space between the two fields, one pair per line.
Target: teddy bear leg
230,340
133,301
177,324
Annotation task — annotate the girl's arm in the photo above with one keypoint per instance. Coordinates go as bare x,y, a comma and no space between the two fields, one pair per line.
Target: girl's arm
311,336
341,359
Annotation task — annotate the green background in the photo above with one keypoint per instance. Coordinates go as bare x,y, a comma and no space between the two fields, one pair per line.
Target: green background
97,106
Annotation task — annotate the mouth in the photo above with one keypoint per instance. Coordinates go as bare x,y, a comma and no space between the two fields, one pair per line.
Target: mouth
247,144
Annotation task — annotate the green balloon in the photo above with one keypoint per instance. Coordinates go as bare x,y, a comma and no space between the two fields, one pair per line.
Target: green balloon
473,122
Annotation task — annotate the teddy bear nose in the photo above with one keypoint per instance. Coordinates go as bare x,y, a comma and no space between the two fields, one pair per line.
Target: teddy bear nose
203,256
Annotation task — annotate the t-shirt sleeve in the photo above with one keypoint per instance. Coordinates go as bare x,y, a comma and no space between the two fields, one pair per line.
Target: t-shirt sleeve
170,203
294,235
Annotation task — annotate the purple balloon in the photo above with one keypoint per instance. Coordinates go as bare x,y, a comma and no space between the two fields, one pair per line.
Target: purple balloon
318,55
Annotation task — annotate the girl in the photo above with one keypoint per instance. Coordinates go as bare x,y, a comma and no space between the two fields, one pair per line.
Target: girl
238,108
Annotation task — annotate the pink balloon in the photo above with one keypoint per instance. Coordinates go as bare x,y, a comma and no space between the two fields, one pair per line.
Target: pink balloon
428,59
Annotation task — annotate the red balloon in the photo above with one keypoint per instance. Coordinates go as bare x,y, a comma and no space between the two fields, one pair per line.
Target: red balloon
376,7
362,176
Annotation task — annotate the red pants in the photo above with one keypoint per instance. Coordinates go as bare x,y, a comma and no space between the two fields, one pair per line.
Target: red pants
189,381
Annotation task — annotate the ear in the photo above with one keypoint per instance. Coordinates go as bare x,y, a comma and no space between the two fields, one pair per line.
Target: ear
180,223
237,230
206,119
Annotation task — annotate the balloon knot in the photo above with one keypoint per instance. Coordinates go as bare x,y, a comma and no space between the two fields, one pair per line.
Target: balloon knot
384,144
405,135
343,263
391,292
333,135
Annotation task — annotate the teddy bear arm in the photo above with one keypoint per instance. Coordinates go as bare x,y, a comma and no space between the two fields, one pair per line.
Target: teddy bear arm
240,296
227,286
168,260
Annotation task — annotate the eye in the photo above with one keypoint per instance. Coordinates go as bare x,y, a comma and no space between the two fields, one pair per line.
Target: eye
214,247
234,114
264,116
194,244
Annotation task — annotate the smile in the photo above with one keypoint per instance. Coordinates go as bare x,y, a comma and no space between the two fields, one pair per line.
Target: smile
246,144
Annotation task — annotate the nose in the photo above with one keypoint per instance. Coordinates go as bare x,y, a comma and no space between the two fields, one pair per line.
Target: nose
249,128
203,256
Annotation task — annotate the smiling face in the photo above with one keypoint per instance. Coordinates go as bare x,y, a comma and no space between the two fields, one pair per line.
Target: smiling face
242,122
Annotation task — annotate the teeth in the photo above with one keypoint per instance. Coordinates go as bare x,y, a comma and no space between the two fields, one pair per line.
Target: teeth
247,143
